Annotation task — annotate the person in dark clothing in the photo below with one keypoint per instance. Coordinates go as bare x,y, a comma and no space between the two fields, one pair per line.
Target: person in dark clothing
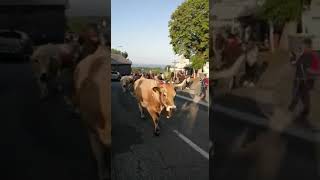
232,51
303,82
251,66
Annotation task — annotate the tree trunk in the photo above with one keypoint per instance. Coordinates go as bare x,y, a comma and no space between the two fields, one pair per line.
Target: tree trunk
289,28
271,36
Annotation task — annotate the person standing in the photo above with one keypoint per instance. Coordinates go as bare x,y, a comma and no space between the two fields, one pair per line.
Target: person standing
251,53
231,52
306,68
188,82
204,85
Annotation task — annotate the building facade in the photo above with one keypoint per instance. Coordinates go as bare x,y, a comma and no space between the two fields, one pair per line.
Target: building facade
180,64
311,22
43,20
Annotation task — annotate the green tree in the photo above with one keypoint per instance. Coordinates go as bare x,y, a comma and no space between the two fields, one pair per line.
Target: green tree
197,61
125,55
116,51
189,28
282,13
77,24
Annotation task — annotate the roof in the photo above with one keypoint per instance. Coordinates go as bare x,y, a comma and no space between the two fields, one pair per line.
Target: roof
118,59
33,2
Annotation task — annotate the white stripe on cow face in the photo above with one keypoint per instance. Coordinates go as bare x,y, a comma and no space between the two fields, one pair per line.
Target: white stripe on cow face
168,108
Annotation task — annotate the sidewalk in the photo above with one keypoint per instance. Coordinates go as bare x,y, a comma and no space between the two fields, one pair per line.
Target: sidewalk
275,88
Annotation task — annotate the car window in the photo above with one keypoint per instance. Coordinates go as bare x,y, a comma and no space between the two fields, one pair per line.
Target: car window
10,35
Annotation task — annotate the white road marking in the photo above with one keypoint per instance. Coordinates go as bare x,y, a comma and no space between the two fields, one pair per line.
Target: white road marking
192,100
193,145
184,138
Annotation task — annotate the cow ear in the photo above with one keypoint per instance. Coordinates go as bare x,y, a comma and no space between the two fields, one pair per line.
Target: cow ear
156,89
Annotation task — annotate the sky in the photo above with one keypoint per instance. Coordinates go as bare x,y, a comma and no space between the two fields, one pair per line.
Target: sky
140,28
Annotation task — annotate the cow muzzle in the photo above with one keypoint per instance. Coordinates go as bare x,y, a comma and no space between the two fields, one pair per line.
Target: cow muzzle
170,110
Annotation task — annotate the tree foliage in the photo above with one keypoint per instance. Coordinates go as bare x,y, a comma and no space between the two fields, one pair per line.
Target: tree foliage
155,70
189,29
124,54
77,26
197,61
281,11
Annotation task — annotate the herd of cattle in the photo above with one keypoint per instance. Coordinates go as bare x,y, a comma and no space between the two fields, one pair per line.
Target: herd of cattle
87,60
90,92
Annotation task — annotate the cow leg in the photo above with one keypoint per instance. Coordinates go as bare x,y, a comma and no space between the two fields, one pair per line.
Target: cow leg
155,118
59,80
141,111
156,127
43,89
99,154
123,88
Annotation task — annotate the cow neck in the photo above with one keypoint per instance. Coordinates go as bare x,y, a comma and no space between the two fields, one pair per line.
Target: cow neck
161,84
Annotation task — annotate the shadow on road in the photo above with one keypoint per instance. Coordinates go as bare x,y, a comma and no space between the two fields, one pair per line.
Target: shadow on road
41,140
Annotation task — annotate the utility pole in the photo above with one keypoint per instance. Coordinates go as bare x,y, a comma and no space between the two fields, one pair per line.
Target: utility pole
174,67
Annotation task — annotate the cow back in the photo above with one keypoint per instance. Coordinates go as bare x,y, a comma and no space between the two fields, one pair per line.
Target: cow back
143,88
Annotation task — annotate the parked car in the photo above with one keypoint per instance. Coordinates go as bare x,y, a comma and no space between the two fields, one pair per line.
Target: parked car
15,44
115,75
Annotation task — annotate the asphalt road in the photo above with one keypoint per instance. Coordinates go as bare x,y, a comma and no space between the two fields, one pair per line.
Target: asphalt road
39,140
300,159
138,154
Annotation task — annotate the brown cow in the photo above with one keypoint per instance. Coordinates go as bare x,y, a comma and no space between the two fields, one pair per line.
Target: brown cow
92,98
126,83
155,97
89,41
48,62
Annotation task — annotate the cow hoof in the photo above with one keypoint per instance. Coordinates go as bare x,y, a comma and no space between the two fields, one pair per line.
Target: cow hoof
157,132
